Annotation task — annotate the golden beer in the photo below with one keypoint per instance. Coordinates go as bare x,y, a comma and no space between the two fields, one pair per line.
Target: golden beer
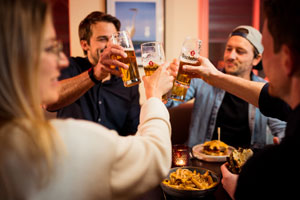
131,75
179,91
150,69
182,82
183,76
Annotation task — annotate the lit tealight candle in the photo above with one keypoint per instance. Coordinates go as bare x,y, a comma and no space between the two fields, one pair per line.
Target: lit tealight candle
180,162
180,155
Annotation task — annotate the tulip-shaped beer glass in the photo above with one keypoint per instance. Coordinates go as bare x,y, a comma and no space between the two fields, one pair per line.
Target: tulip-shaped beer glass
152,56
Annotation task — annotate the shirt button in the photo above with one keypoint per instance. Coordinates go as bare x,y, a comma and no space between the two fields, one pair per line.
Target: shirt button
99,119
100,102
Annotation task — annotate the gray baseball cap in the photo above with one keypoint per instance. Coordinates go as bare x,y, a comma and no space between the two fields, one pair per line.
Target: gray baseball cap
251,34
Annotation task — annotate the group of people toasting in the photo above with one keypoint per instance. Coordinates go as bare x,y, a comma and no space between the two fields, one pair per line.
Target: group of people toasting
80,159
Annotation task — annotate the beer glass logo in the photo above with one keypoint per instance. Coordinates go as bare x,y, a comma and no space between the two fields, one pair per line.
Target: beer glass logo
150,63
193,53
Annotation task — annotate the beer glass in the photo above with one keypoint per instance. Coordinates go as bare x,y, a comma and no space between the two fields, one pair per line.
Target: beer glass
190,53
131,75
152,56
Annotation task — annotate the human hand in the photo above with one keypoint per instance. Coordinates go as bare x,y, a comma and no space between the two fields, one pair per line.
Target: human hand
276,140
173,68
105,62
229,180
206,71
159,83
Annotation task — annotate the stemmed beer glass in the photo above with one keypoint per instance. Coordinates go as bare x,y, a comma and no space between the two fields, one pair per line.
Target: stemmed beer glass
152,56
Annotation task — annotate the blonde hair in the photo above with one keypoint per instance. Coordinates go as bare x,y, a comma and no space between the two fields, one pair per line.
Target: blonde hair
27,140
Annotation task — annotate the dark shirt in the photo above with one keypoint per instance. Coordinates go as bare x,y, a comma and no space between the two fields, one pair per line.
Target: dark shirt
109,103
233,121
272,106
274,172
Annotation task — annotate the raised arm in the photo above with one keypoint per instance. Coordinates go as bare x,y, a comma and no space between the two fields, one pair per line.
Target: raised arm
145,160
73,88
244,89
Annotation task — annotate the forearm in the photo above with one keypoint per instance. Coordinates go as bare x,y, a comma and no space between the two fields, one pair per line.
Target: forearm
242,88
151,150
70,90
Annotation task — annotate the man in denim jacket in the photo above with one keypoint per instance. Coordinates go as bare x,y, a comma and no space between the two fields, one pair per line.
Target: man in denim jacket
241,124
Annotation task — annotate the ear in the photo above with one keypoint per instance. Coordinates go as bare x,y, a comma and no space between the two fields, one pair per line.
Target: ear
256,60
287,60
84,45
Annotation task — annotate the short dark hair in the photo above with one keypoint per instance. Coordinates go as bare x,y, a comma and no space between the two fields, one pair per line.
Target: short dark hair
84,30
283,24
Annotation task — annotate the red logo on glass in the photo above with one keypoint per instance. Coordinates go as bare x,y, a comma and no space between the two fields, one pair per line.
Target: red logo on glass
193,53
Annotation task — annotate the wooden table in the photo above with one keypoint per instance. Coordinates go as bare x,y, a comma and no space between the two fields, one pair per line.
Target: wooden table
219,194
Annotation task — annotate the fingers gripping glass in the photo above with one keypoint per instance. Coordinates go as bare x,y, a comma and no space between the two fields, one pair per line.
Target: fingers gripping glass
190,53
131,75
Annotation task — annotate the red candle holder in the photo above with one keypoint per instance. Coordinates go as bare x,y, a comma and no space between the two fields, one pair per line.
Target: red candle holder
180,155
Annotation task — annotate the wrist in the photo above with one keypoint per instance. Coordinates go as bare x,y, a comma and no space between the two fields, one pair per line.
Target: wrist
150,94
154,96
92,76
215,77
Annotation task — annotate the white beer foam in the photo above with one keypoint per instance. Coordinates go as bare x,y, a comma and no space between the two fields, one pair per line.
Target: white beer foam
188,61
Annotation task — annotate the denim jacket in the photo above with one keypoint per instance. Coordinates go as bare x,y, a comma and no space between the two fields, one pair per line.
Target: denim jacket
208,100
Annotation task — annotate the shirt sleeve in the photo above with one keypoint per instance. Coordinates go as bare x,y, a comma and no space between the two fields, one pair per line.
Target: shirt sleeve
121,167
143,160
271,106
262,175
277,127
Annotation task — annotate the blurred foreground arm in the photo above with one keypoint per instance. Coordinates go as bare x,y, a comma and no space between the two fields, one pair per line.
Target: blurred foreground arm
142,162
244,89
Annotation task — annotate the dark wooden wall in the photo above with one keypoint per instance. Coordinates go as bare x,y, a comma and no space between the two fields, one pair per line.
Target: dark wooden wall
61,22
224,15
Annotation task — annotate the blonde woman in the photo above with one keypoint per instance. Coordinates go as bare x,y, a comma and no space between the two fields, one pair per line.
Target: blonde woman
67,159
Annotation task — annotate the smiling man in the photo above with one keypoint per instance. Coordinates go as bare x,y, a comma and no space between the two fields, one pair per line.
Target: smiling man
89,89
242,124
273,172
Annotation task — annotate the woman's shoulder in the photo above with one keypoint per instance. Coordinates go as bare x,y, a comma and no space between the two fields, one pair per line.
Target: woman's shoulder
81,129
74,124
